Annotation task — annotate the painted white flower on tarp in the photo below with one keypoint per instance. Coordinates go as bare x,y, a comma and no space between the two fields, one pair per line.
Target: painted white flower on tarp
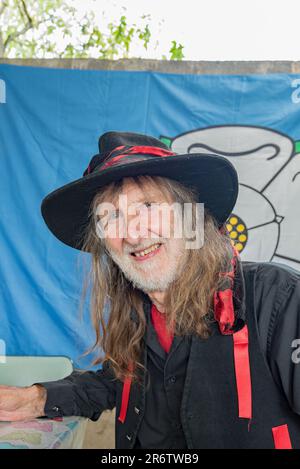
265,223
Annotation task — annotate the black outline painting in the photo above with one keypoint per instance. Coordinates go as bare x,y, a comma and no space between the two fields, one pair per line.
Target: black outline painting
265,223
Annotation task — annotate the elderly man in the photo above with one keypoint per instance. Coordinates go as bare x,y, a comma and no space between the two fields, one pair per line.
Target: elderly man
200,349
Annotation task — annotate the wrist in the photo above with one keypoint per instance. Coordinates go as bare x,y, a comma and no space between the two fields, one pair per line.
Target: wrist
37,394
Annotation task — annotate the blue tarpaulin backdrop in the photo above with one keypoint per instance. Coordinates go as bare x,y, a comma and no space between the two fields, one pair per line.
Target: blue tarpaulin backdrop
50,121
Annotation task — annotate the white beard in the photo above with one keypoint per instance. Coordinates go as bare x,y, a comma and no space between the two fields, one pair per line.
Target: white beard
151,280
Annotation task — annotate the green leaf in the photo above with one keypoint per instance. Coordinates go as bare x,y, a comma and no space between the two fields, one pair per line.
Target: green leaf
297,146
176,51
166,140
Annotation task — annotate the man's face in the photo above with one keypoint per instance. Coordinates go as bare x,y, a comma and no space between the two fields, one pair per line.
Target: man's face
139,236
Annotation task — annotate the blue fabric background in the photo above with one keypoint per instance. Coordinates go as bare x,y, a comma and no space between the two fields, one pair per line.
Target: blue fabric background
49,128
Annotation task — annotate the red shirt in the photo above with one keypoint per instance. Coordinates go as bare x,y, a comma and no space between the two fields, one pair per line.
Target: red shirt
165,336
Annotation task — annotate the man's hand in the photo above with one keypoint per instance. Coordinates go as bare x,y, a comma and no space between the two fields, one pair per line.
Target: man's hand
18,403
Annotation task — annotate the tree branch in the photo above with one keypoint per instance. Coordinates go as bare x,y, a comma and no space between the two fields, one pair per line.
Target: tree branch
3,6
29,25
29,19
16,34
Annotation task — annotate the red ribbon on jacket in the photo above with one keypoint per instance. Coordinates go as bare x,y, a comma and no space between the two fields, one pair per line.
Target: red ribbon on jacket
242,372
125,396
281,437
223,298
224,314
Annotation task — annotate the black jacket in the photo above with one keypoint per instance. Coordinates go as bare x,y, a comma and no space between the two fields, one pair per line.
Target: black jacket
209,416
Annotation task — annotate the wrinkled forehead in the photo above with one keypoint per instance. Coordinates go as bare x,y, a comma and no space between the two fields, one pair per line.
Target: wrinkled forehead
137,189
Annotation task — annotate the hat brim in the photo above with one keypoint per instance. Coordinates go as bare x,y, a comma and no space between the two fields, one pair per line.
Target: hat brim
65,210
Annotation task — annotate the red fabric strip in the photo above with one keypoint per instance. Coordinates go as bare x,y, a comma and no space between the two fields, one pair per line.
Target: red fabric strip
281,437
116,149
113,161
156,151
165,336
125,397
242,372
224,310
151,150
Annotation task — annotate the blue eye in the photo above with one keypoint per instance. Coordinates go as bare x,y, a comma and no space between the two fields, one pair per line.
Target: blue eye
114,215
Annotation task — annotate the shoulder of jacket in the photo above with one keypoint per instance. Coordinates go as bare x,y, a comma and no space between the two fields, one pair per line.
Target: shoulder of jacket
274,284
272,273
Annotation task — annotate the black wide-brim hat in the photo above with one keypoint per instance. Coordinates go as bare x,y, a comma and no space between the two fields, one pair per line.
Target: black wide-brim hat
126,154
